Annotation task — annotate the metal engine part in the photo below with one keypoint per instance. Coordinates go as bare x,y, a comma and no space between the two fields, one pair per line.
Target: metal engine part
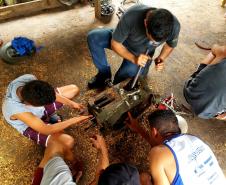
111,106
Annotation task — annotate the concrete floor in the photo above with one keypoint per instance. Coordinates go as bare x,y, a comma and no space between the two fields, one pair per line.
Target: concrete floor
65,60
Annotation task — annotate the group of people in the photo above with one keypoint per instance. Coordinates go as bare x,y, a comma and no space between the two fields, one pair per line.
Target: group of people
30,106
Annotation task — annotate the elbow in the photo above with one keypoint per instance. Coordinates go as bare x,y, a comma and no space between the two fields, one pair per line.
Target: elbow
48,130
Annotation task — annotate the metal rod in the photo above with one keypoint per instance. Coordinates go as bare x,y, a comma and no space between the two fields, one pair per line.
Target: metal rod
138,73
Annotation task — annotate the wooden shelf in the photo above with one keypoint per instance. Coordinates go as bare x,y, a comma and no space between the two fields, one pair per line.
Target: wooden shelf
26,8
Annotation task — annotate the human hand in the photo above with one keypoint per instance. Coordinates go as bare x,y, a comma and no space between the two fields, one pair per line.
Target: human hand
142,59
78,106
221,116
159,64
98,142
132,123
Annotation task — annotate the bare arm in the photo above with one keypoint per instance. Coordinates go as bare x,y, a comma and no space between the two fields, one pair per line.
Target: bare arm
165,52
144,134
63,100
103,161
133,125
70,103
208,59
157,167
125,53
38,125
122,51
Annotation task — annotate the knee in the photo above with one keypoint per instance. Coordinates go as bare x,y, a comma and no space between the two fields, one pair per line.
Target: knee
67,141
93,36
74,90
99,37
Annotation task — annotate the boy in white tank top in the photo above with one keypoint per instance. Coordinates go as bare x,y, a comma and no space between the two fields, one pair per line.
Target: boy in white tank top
175,158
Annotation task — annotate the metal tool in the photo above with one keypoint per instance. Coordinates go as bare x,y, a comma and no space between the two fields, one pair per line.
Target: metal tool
110,107
138,73
169,103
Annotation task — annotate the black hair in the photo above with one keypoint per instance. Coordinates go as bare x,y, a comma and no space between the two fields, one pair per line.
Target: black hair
165,121
38,93
120,173
159,24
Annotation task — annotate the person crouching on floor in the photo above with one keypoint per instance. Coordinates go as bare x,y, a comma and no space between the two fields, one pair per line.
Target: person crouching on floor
30,105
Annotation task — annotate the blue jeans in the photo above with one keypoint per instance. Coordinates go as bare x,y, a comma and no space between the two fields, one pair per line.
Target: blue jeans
100,39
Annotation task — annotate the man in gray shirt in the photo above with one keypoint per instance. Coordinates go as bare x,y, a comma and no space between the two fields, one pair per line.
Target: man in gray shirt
140,30
54,171
205,90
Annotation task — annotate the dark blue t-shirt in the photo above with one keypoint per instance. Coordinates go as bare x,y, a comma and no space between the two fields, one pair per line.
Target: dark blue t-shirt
206,91
132,33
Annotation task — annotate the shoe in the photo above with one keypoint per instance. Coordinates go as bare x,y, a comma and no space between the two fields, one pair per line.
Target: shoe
99,81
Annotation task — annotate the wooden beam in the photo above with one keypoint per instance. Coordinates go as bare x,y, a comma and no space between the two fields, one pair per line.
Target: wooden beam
97,6
27,8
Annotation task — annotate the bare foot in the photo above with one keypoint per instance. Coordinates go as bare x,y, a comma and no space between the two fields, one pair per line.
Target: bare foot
225,15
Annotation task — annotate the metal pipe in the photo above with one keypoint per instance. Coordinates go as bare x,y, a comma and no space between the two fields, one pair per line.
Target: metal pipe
138,73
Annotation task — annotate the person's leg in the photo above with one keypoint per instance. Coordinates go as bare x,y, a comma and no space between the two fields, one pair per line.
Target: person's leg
66,141
126,70
129,70
68,91
52,150
98,40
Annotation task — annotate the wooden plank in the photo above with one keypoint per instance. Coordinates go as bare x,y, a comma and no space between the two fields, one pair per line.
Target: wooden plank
97,6
27,8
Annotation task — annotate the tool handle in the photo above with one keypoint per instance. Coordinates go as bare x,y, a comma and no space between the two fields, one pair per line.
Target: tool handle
138,73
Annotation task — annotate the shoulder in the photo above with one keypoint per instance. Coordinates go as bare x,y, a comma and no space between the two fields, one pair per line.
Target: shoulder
137,11
139,7
162,166
161,157
159,152
23,79
26,77
13,107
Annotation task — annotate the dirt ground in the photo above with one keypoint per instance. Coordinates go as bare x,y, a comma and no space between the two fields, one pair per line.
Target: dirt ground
65,60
